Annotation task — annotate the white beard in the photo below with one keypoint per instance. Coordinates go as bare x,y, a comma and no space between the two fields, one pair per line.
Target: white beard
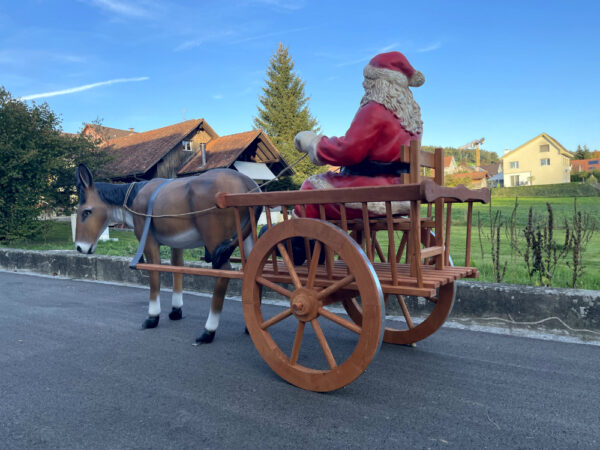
390,89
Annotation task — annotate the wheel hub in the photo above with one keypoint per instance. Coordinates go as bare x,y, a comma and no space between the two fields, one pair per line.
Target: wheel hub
304,304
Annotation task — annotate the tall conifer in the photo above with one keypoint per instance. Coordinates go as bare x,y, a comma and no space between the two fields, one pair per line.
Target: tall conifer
283,111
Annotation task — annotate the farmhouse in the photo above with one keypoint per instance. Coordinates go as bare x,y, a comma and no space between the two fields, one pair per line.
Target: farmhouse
184,149
450,166
542,160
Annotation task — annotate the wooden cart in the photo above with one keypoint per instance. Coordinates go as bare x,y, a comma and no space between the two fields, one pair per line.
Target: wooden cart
348,270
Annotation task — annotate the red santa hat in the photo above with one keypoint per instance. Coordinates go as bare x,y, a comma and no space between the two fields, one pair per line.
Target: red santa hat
398,67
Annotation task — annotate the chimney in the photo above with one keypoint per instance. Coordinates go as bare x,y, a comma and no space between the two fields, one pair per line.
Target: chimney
203,150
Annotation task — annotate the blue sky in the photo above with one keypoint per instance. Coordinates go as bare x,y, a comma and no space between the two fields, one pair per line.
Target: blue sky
506,71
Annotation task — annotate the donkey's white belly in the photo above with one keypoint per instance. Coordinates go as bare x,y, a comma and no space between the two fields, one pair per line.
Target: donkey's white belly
186,239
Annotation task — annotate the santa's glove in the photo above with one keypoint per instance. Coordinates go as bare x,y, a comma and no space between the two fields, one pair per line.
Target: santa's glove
306,142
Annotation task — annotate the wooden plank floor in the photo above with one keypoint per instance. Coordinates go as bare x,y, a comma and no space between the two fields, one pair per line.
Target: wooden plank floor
407,285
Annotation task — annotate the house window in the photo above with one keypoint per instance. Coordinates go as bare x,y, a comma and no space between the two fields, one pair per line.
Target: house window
544,148
545,161
514,180
514,164
187,146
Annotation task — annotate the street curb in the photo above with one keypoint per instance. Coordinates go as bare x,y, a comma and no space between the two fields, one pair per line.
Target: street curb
578,308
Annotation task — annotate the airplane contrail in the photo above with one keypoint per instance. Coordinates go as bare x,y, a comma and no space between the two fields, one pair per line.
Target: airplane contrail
82,88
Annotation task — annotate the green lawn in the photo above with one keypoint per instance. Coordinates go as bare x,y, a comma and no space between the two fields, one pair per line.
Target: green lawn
562,208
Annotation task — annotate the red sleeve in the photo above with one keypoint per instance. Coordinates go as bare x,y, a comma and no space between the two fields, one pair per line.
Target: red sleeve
360,139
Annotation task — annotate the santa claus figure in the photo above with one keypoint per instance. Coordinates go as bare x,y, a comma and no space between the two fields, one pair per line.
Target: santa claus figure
370,152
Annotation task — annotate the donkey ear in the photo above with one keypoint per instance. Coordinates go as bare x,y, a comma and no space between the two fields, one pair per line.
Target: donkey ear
84,176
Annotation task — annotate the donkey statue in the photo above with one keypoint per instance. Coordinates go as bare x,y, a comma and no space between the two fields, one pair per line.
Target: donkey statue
184,216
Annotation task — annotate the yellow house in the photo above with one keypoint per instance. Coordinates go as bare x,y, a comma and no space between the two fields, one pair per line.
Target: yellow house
542,160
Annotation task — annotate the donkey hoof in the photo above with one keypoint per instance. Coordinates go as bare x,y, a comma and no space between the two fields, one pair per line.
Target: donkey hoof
176,314
150,322
206,338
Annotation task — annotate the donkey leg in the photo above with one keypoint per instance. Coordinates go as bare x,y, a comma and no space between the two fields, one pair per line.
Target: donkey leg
177,298
216,306
152,252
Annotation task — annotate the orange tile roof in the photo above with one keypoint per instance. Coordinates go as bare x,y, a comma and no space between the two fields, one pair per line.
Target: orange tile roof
108,133
221,152
447,160
136,153
475,176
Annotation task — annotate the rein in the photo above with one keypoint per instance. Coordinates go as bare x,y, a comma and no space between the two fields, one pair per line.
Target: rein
191,213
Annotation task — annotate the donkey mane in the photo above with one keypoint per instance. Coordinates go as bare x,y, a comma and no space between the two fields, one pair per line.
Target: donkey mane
113,194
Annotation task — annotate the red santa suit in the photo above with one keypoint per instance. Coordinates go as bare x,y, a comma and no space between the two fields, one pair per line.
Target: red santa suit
370,152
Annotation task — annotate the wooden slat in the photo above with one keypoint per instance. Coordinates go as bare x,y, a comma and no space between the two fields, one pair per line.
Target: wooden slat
238,227
391,243
367,233
427,159
447,240
469,226
403,192
428,252
221,273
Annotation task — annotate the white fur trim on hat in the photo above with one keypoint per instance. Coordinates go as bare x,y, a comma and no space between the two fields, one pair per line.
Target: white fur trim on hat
394,76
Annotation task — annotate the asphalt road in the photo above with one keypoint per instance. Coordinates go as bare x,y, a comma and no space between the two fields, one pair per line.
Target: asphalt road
76,371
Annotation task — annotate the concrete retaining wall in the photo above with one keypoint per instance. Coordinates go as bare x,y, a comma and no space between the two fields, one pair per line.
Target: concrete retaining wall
576,307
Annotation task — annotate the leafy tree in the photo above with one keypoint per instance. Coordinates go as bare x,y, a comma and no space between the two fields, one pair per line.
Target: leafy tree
466,156
284,112
37,164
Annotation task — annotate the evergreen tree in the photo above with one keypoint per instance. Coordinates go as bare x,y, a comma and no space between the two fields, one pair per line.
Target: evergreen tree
284,112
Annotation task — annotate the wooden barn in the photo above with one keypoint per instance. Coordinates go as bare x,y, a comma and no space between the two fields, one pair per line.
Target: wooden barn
188,148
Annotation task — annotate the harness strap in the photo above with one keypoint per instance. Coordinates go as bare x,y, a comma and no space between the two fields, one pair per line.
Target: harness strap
142,245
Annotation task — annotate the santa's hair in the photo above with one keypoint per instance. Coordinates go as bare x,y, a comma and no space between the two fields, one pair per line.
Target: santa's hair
390,88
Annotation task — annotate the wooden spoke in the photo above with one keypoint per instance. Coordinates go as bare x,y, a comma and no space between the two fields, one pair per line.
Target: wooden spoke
277,288
323,343
275,319
289,361
314,261
386,299
340,321
335,286
290,265
297,342
409,321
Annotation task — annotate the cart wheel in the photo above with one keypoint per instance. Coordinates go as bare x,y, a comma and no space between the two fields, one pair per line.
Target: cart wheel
435,311
298,353
412,331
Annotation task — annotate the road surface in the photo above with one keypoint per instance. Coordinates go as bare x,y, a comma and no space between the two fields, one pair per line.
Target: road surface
76,371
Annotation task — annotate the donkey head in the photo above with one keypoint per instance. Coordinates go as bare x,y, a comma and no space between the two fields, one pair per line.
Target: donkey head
93,213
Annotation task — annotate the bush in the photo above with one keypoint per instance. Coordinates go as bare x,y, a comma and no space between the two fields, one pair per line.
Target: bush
37,163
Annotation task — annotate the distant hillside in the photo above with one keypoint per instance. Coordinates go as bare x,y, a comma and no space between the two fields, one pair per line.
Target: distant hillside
466,156
549,190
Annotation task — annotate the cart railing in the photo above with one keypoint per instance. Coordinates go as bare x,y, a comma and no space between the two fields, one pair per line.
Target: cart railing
426,192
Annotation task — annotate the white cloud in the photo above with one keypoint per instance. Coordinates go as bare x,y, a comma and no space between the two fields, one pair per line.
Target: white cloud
203,39
128,8
82,88
430,48
385,49
290,5
218,96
